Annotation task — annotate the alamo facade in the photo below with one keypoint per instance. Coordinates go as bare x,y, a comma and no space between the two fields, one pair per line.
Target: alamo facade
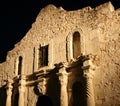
71,58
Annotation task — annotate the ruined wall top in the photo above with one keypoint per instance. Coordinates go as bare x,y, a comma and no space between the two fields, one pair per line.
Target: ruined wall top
52,20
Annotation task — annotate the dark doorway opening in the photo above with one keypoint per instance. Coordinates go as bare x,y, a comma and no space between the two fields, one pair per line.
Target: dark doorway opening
44,101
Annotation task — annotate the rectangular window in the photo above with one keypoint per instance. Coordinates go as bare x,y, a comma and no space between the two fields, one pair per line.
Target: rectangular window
43,56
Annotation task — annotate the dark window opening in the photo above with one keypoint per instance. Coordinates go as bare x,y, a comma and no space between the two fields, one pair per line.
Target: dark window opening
76,44
20,65
43,56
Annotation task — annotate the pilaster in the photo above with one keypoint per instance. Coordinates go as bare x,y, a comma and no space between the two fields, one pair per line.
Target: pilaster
9,92
22,84
88,71
63,77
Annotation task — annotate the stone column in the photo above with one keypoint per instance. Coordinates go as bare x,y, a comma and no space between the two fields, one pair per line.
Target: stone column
89,90
22,83
9,92
63,77
88,74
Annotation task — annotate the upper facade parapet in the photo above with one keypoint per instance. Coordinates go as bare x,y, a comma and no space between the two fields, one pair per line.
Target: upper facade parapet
53,21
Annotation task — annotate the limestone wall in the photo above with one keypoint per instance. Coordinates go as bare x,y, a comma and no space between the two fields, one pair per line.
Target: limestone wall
107,77
99,29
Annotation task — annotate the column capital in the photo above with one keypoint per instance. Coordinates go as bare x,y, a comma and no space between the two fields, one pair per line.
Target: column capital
63,76
88,67
22,80
22,83
9,87
90,64
9,84
23,77
88,75
62,71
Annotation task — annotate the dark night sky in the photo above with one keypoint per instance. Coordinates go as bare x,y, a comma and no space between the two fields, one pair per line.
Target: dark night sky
16,17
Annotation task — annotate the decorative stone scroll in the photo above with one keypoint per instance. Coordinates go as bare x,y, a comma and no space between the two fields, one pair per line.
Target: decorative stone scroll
63,77
22,84
9,92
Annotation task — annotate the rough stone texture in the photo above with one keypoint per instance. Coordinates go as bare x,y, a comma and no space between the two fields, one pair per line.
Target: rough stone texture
99,29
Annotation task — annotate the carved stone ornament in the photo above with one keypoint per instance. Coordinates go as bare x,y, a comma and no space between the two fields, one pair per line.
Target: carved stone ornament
42,86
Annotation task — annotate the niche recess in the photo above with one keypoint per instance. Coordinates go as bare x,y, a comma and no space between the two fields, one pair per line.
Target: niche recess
76,44
20,59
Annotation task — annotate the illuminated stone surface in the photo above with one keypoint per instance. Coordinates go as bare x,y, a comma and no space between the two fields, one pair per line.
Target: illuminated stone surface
91,79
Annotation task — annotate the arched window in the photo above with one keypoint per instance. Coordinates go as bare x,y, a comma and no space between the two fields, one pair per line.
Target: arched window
76,44
20,65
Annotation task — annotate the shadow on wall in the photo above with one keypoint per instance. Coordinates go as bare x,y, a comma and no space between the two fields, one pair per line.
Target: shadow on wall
52,97
44,101
79,94
3,95
53,88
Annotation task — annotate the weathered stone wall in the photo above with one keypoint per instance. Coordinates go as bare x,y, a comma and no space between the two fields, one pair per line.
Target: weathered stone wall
107,77
100,36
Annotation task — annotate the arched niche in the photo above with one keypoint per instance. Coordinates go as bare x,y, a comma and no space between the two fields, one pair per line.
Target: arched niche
76,44
18,65
20,59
